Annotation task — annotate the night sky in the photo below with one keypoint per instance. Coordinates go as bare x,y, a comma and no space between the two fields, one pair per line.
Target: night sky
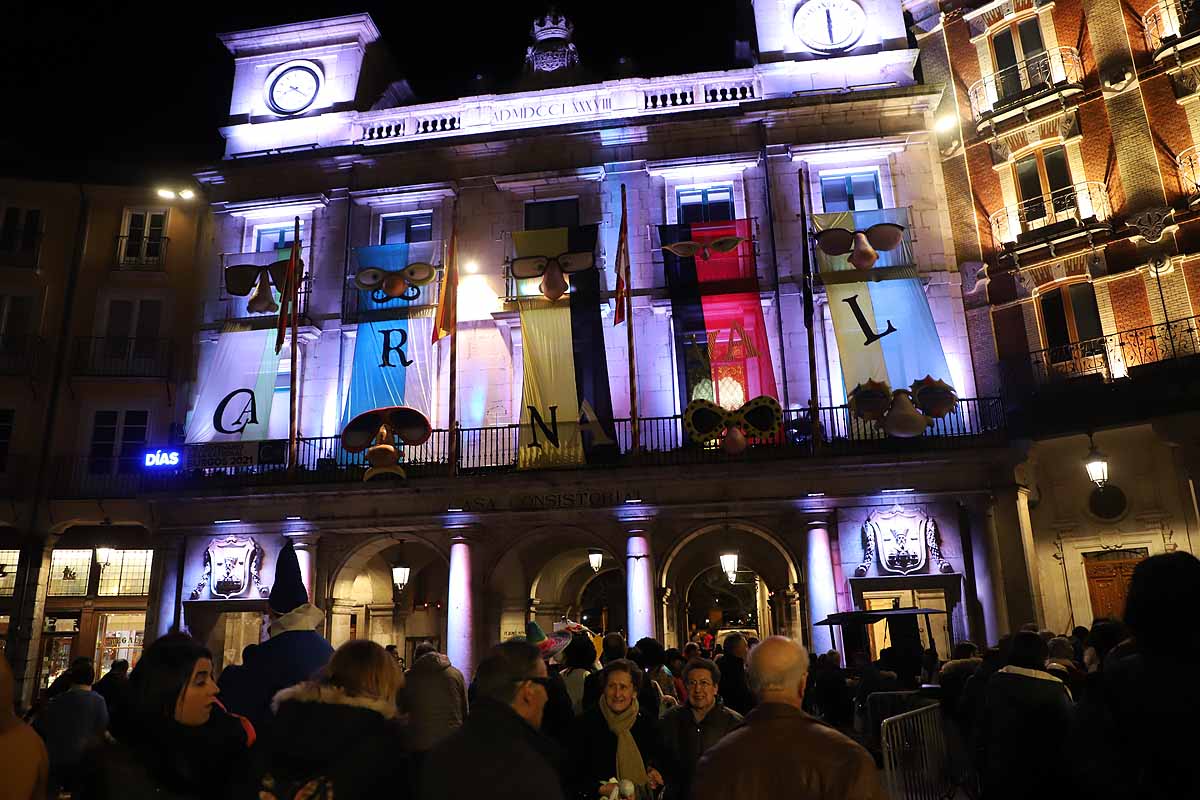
131,88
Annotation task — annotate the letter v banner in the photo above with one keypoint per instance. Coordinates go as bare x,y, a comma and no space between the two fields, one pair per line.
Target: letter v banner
881,318
236,389
566,408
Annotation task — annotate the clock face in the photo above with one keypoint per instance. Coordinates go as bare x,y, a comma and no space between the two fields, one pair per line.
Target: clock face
828,26
293,90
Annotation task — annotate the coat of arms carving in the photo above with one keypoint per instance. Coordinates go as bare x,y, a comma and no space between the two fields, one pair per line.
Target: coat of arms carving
904,540
231,566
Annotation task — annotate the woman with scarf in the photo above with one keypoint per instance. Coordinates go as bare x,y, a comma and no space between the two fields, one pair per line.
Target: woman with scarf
175,741
615,740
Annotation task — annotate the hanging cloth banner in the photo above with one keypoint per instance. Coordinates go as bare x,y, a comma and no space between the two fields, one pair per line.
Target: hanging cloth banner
721,348
392,364
566,408
236,389
884,328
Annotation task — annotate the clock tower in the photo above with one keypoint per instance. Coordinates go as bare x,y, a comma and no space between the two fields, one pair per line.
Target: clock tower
799,30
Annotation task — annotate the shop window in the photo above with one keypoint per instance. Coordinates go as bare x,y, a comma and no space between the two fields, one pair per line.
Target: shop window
69,573
118,441
1044,184
143,236
126,573
406,229
552,214
8,571
711,204
119,634
58,642
1069,317
858,191
1020,58
5,620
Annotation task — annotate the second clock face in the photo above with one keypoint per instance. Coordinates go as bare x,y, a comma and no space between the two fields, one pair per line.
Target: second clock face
294,90
830,25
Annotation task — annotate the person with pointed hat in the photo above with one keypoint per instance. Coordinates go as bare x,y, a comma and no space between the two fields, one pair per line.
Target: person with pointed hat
294,653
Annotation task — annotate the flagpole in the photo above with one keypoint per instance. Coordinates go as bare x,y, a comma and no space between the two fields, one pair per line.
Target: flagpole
452,286
634,423
807,288
293,400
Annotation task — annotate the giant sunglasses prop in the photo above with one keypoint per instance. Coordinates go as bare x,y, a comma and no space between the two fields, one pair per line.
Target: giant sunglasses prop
863,246
704,250
381,432
255,281
552,269
404,284
706,421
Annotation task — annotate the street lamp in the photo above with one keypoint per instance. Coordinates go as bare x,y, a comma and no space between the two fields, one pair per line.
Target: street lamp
596,559
729,565
400,577
1096,464
172,194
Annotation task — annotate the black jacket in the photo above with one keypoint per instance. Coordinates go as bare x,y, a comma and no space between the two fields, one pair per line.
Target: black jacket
685,740
593,752
319,734
495,755
735,689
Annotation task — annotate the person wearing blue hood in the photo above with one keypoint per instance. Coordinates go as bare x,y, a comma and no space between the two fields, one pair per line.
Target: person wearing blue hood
295,652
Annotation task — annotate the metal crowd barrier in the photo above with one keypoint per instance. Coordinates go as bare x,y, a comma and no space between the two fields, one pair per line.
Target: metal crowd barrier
915,759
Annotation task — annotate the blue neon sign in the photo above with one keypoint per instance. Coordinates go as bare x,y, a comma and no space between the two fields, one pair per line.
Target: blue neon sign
162,458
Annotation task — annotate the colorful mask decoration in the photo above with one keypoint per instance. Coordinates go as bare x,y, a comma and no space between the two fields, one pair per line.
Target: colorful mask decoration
870,400
863,246
704,250
254,280
706,421
552,269
381,432
934,396
404,284
903,420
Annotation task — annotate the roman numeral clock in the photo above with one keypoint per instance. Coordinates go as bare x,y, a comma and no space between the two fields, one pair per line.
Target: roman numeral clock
829,26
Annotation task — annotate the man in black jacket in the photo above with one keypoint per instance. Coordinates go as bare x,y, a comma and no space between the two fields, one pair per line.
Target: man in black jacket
734,688
689,730
499,753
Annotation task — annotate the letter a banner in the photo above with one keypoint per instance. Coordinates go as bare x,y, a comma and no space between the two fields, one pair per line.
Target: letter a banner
885,331
237,386
566,408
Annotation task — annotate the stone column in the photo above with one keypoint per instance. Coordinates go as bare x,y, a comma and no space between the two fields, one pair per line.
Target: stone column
164,587
306,555
460,619
339,621
1017,562
29,618
639,585
822,589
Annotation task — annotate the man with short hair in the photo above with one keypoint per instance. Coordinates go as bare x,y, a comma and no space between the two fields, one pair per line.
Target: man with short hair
71,724
499,752
734,688
779,751
689,730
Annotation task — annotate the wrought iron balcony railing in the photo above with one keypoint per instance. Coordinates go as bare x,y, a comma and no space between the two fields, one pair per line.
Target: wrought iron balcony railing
233,307
141,253
1168,23
1112,357
18,354
1059,68
1044,216
116,357
1188,164
663,440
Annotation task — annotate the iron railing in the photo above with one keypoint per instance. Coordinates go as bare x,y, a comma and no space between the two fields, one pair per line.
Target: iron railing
1188,163
140,252
1067,208
117,357
1167,22
18,354
1050,69
1112,356
481,450
96,476
916,762
20,247
235,306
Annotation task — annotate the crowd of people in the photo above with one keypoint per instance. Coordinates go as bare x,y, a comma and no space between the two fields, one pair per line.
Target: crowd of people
1102,712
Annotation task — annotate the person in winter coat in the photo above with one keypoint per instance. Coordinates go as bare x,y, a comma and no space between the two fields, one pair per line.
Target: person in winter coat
1021,739
294,653
339,736
24,763
175,742
114,687
499,753
579,661
593,685
735,690
72,723
615,739
690,730
434,697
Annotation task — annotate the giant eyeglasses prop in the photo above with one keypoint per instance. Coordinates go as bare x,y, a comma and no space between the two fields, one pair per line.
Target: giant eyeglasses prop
704,250
552,269
706,421
381,432
863,246
254,280
404,284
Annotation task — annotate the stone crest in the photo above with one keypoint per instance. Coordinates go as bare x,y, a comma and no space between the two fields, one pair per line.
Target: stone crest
1152,222
231,566
552,48
905,540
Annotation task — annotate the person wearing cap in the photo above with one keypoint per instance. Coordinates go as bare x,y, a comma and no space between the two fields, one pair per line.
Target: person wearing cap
294,653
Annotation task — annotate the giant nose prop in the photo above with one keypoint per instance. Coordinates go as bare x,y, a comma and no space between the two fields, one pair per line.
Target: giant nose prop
864,255
261,299
554,283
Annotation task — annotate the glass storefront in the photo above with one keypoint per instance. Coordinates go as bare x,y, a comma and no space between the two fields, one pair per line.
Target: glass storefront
119,634
58,640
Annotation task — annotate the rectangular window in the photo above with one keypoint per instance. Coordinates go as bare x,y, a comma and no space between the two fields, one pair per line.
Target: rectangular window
69,573
1070,316
1018,52
712,204
9,560
119,635
19,229
279,238
145,232
118,441
407,228
127,573
552,214
855,192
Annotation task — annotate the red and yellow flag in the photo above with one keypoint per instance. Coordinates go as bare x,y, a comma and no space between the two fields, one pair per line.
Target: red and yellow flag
623,275
446,319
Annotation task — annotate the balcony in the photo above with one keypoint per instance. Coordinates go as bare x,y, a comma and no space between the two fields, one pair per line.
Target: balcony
1169,27
18,354
141,253
231,307
20,248
359,305
87,476
113,357
1051,74
975,423
1060,214
1188,164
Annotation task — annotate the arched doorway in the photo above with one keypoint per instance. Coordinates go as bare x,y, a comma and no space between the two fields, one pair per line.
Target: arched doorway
715,604
603,601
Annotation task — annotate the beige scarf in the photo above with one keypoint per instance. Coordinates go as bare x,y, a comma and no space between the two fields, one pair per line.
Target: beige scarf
629,759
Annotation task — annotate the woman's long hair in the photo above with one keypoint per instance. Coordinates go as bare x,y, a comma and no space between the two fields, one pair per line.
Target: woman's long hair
156,683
